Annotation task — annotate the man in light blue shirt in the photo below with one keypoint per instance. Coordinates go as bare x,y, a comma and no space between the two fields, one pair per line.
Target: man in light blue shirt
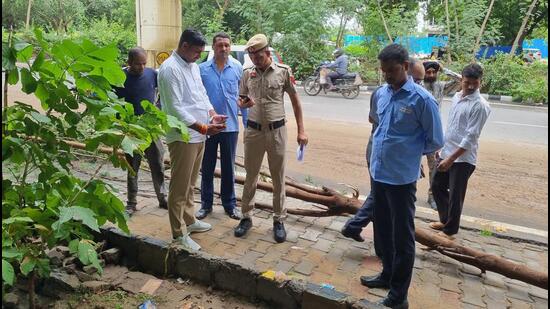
221,76
409,127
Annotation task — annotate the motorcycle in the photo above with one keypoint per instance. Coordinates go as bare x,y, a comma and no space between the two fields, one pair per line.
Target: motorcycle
347,85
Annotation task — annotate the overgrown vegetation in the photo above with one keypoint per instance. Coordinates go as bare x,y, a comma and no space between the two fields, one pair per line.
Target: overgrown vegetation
43,203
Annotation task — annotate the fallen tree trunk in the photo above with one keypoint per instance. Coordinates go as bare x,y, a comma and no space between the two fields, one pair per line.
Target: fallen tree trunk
336,204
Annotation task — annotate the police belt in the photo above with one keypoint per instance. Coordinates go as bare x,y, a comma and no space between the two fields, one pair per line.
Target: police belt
272,126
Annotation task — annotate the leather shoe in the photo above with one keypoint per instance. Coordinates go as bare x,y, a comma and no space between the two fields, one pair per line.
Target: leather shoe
163,205
234,214
279,232
355,236
375,282
388,302
243,227
202,213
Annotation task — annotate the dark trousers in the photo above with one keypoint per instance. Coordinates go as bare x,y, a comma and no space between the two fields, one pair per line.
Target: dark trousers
449,191
227,142
362,218
155,156
332,76
394,212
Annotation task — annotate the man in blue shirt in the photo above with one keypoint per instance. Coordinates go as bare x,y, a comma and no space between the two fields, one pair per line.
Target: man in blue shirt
141,84
409,127
365,214
221,77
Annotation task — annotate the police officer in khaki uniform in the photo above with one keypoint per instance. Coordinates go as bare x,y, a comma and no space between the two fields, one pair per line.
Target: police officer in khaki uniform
262,90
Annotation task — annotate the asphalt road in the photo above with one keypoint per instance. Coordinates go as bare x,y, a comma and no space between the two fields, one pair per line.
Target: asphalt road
509,123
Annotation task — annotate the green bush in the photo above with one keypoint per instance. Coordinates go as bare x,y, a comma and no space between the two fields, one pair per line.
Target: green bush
505,75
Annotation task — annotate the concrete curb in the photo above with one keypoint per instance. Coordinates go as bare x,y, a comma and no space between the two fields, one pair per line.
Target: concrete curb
158,257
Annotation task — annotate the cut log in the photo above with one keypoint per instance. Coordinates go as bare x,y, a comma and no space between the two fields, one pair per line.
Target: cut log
336,204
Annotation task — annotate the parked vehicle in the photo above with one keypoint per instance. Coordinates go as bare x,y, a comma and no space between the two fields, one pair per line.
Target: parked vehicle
238,52
532,54
348,85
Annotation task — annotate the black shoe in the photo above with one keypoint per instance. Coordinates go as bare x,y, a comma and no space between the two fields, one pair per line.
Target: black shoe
234,214
354,236
279,232
202,213
375,282
163,205
243,227
388,302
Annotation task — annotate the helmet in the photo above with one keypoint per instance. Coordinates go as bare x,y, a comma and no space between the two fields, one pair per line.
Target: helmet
337,52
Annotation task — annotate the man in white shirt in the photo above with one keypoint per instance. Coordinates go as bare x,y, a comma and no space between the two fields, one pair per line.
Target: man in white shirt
183,96
468,114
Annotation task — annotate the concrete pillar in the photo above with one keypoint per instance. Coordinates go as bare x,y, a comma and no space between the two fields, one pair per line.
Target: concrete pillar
158,28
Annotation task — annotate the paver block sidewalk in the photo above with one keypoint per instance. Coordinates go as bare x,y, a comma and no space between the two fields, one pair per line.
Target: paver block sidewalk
318,253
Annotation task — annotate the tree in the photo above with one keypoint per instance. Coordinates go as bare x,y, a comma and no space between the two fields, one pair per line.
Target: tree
522,27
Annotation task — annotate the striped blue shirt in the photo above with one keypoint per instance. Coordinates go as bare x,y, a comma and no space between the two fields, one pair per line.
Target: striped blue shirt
409,127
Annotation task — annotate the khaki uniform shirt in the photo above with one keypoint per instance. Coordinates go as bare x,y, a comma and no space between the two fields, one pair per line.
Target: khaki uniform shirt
267,90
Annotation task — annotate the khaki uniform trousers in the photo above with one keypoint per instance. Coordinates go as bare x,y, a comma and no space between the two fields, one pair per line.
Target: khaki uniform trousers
185,161
256,144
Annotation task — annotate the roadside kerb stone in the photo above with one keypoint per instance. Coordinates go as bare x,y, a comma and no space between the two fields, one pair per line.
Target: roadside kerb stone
226,274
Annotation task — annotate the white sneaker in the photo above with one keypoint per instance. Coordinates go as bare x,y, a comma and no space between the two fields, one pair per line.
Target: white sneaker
188,243
199,227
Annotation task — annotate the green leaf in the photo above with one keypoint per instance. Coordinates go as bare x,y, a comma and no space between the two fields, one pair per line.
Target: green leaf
27,265
107,53
8,273
115,76
77,213
28,81
25,54
72,49
16,219
42,94
73,246
130,144
175,123
85,249
38,61
10,253
13,76
41,118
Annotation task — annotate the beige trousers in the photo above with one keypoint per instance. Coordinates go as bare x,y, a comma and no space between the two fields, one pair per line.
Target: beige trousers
185,161
256,143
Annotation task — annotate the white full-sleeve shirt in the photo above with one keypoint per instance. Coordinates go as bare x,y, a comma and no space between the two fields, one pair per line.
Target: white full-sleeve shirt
183,96
466,120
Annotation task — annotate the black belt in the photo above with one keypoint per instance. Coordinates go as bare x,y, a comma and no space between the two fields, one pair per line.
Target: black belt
272,126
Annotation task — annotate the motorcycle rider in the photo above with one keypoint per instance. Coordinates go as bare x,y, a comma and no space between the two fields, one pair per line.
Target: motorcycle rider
340,64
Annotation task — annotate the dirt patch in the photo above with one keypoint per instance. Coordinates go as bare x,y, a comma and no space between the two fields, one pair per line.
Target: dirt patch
122,289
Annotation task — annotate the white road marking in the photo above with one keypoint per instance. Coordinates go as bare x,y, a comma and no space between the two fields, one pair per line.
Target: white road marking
520,124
